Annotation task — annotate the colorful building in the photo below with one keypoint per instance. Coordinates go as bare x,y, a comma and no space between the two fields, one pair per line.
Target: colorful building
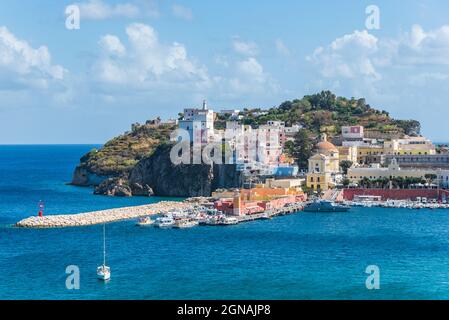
323,166
366,154
256,200
352,133
375,171
409,146
347,154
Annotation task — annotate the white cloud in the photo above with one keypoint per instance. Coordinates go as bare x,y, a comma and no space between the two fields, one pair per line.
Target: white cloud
112,44
100,10
362,55
182,12
282,49
24,66
250,77
143,64
247,48
424,48
350,56
354,63
146,62
251,68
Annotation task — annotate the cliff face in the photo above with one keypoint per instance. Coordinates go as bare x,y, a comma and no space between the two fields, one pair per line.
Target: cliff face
119,155
167,179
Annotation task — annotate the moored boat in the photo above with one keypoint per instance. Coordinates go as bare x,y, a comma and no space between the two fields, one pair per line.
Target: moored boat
143,222
164,222
103,271
325,206
227,221
185,223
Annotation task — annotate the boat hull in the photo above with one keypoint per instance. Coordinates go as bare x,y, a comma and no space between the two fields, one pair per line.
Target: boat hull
103,274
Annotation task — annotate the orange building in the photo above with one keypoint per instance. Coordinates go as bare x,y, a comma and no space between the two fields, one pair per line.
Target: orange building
256,200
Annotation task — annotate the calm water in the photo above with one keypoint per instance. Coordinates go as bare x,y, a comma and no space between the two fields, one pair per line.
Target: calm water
303,256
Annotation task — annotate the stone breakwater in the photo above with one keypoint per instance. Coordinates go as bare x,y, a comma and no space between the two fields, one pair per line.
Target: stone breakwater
102,216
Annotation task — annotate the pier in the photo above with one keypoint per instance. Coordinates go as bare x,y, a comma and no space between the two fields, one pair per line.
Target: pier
102,216
272,213
129,213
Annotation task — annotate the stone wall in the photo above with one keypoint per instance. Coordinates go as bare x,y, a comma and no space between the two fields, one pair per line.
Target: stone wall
393,194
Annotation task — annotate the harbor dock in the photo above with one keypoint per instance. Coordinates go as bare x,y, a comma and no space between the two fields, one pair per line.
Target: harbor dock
272,213
128,213
102,216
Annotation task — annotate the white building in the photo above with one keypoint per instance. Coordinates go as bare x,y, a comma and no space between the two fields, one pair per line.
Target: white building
199,123
352,133
232,112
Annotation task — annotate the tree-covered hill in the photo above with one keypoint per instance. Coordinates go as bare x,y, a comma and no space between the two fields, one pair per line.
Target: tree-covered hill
325,112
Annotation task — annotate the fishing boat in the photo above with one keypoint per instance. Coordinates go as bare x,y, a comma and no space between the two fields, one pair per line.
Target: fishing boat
143,222
103,271
325,206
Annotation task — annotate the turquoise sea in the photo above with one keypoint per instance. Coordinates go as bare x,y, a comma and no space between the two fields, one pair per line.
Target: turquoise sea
302,256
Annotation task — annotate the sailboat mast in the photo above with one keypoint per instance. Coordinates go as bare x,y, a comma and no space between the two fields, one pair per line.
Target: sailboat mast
104,244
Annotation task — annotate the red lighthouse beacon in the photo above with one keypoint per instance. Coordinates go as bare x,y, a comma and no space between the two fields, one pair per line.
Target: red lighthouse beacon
41,208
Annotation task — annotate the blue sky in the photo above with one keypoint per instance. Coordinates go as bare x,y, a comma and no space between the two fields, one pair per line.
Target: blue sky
132,60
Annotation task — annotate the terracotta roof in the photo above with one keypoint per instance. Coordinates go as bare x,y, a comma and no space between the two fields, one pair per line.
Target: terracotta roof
326,146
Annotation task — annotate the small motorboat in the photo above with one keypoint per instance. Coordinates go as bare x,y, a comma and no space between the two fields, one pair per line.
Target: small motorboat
143,222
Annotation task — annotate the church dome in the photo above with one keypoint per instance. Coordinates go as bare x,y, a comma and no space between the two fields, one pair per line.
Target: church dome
325,146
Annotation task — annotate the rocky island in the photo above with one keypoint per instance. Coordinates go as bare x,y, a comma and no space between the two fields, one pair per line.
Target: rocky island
137,163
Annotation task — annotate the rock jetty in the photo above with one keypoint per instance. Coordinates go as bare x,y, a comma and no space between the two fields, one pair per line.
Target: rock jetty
102,216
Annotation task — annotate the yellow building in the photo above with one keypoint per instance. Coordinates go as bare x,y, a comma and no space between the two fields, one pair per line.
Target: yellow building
365,152
347,153
375,171
323,165
409,146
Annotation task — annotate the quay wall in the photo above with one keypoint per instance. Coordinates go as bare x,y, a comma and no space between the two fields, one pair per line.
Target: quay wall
393,194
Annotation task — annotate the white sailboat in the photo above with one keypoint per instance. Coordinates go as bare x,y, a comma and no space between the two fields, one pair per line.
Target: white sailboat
103,271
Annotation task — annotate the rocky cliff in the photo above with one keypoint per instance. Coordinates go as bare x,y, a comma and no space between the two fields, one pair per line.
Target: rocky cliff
119,155
166,179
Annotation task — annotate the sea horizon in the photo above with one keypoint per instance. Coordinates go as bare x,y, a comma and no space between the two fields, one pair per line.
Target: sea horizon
218,151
